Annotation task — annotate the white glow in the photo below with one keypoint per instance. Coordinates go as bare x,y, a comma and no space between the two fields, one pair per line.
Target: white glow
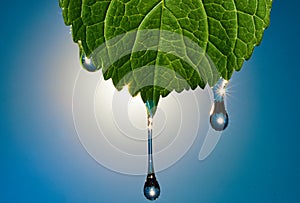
88,61
105,123
152,192
222,88
220,120
136,111
222,91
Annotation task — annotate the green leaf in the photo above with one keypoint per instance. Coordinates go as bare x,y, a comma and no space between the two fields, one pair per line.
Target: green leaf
157,46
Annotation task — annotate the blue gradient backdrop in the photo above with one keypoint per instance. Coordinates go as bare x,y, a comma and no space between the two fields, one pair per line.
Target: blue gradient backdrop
42,160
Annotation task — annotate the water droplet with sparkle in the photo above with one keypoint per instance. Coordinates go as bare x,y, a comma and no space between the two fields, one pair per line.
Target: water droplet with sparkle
87,63
151,186
218,117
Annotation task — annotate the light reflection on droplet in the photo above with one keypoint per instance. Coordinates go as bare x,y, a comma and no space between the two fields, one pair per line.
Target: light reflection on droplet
87,63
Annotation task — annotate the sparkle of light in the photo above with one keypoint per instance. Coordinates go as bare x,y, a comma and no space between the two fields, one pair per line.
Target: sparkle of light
87,61
152,192
220,120
222,88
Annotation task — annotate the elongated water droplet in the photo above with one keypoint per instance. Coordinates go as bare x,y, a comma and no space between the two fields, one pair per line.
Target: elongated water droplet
151,186
87,63
218,116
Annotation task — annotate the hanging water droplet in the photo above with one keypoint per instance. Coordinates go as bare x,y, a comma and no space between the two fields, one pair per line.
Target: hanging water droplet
87,63
151,186
219,121
218,116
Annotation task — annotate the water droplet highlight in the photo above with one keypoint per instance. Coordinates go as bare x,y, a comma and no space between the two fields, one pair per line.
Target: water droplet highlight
151,186
70,32
87,63
218,117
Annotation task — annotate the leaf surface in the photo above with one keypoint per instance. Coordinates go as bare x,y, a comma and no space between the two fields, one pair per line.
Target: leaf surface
157,46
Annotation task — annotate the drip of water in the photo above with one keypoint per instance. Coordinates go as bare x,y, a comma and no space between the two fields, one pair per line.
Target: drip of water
218,117
151,186
87,63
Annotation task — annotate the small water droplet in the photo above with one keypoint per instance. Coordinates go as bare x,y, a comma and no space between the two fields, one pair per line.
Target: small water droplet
219,118
87,63
151,187
219,121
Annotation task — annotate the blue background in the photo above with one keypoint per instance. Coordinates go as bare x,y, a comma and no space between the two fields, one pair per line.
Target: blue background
42,160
